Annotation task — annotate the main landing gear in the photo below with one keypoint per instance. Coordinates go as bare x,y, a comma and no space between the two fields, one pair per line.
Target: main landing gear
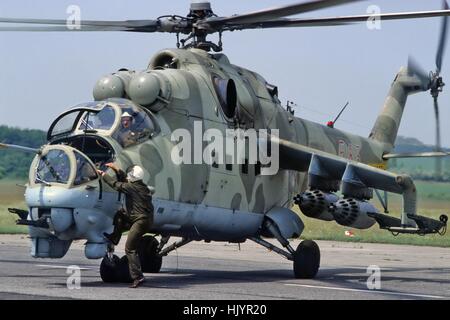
150,251
306,258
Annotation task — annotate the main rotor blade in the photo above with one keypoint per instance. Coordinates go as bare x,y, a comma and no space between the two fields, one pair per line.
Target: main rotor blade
434,154
335,21
274,13
61,29
442,40
124,24
19,148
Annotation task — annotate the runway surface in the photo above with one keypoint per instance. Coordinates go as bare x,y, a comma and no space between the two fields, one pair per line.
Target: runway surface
226,271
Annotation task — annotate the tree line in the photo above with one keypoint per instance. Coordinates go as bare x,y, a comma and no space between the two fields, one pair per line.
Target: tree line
15,164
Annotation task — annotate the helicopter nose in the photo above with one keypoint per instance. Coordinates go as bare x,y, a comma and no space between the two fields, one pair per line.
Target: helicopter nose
57,216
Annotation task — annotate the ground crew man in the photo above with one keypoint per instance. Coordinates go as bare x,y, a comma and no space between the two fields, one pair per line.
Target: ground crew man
138,215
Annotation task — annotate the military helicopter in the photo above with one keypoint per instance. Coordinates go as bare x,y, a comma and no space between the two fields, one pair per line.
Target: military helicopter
331,175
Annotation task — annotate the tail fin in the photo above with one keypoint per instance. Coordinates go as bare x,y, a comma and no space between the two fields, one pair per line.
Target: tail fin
386,127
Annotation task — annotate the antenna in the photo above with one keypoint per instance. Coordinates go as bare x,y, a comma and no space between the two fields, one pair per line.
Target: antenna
332,123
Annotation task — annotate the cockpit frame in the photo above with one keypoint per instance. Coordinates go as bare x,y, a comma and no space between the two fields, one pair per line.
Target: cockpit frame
117,105
73,166
74,130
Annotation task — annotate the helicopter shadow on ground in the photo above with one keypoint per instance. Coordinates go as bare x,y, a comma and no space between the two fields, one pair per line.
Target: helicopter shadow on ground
184,278
402,275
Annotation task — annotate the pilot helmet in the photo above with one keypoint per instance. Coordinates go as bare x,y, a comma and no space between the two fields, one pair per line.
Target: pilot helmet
135,174
126,115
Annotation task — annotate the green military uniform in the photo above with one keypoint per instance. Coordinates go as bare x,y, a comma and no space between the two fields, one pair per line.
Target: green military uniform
138,217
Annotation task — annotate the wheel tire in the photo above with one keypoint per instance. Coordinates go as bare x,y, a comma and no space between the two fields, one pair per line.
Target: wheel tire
150,261
306,260
123,271
108,269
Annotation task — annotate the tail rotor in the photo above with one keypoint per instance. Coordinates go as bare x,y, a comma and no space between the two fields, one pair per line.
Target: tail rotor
435,84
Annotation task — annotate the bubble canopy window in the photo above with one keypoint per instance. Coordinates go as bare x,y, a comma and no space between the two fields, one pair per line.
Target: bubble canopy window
136,126
54,167
87,117
62,165
98,120
105,118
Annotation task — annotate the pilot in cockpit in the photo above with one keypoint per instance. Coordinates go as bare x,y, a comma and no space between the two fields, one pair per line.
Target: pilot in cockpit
126,135
131,133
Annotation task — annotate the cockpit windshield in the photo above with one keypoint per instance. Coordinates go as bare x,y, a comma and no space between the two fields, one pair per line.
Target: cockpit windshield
54,167
123,120
103,120
64,166
92,116
65,124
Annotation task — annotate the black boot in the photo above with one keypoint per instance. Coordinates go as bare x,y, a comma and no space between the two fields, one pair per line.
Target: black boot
120,225
113,237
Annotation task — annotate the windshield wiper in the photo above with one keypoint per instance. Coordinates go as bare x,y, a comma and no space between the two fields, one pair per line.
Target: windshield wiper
51,169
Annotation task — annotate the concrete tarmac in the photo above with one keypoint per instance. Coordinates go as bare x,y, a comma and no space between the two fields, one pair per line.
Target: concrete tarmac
223,271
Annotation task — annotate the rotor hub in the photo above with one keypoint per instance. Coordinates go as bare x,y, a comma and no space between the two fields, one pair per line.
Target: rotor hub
437,84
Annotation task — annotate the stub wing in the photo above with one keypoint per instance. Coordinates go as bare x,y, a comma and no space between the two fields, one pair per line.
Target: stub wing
356,181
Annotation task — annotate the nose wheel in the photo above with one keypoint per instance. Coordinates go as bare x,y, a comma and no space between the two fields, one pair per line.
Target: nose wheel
108,268
115,269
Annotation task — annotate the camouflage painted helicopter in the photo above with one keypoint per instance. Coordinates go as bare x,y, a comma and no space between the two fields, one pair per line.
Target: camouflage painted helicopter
331,175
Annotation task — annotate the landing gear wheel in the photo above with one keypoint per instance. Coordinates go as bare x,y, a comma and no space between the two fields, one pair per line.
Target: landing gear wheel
150,261
306,260
123,271
108,269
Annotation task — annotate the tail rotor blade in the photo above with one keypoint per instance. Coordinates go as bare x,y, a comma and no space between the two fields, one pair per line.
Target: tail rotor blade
414,69
442,40
438,164
438,127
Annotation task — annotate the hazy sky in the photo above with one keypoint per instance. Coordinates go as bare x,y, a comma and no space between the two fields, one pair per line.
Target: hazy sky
43,74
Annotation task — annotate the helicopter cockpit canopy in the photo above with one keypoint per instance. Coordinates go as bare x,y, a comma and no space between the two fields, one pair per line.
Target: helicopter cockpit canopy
91,128
105,119
91,117
62,165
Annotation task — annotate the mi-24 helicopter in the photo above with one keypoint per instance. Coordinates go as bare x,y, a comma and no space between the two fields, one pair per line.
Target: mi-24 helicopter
331,175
